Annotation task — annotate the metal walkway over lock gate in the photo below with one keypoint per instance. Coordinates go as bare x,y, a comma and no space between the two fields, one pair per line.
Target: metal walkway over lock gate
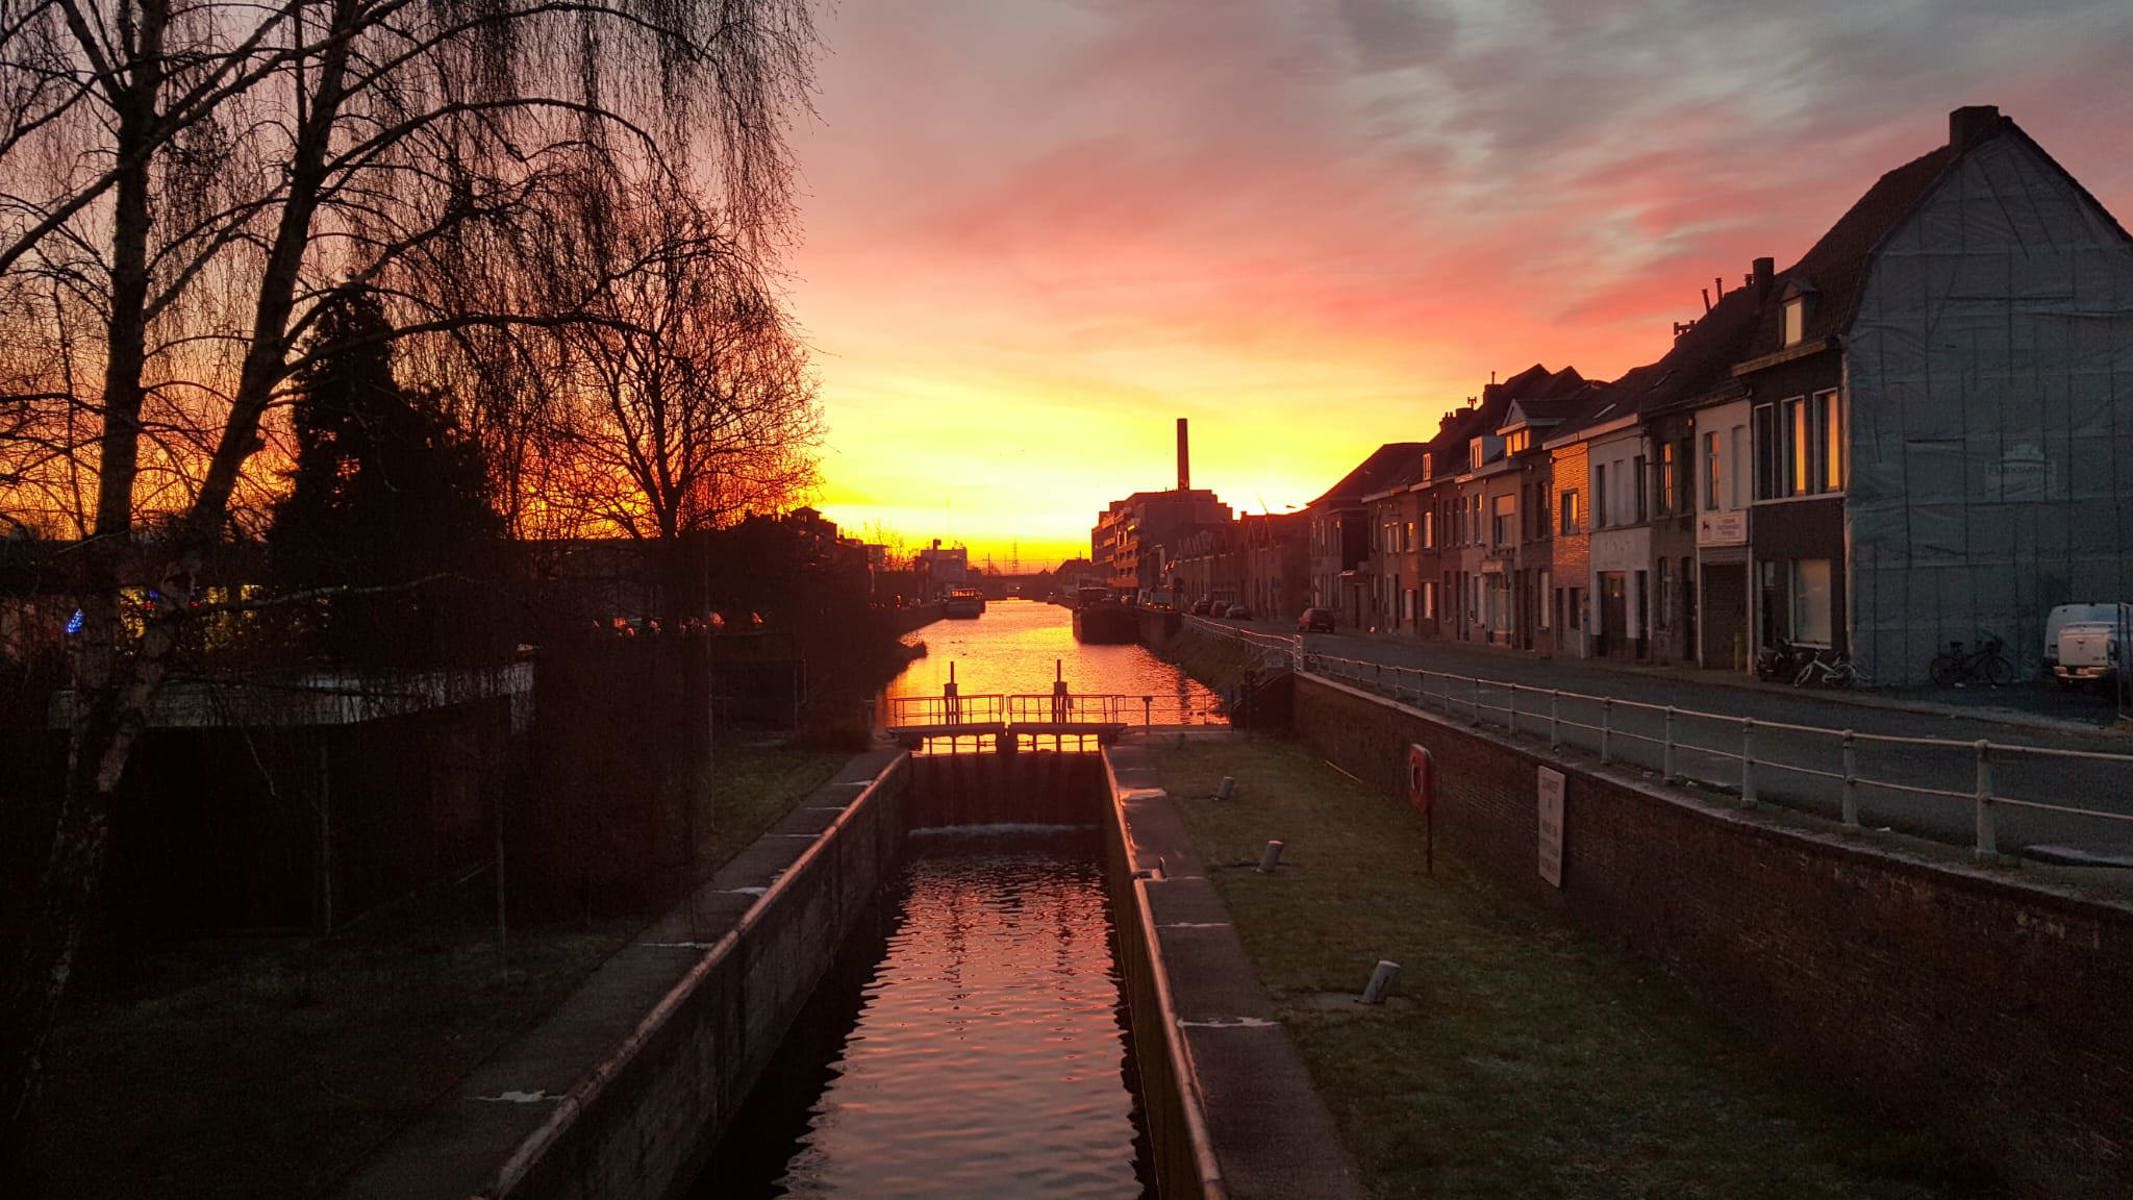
1004,722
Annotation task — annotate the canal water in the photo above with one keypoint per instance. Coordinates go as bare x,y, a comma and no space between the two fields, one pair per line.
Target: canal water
973,1045
1015,647
972,1040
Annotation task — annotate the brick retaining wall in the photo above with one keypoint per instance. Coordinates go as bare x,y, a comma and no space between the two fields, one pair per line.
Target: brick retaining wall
1968,999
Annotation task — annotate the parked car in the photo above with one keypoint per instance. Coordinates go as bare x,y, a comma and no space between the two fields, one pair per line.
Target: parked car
1315,620
1237,612
1202,607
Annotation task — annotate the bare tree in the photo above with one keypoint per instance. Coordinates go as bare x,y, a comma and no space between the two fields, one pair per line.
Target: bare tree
189,180
691,400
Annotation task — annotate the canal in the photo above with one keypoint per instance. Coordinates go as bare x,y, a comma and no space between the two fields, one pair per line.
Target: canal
972,1040
971,1043
1017,646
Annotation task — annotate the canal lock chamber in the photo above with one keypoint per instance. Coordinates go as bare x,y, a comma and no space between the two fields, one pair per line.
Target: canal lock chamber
975,1034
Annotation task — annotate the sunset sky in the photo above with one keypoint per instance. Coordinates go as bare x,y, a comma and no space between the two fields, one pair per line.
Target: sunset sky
1037,231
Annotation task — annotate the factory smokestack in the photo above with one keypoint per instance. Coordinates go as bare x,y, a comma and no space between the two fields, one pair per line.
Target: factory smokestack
1184,459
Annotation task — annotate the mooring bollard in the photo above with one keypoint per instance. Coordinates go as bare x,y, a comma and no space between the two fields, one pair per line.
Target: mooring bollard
1747,760
1271,859
1666,750
1851,783
1555,726
1477,699
1511,711
1382,977
1607,729
1227,788
1988,834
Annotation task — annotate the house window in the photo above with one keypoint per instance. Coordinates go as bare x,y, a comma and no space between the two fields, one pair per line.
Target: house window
1599,496
1569,511
1713,473
1429,529
1545,608
1829,417
1810,600
1517,442
1769,455
1795,320
1666,478
1407,541
1506,511
1425,467
1640,503
1737,468
1429,601
1800,447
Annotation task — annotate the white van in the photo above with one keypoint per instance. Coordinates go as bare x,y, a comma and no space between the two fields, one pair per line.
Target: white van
2087,643
2093,611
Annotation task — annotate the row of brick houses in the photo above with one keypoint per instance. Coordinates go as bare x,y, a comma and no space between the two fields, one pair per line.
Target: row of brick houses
1919,432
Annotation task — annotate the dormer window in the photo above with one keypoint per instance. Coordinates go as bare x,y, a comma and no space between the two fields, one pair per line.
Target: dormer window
1473,454
1517,442
1795,320
1425,466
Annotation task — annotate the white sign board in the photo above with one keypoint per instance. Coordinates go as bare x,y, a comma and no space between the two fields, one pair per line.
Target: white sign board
1722,528
1551,825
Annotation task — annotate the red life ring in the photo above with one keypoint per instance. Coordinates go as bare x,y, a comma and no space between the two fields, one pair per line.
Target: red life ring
1421,778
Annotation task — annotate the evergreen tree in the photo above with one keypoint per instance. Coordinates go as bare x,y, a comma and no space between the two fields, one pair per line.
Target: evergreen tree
385,493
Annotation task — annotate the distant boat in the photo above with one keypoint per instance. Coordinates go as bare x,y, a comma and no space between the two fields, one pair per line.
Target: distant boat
964,603
1099,619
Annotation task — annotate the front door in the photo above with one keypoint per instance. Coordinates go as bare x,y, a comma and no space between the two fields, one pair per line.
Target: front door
1614,612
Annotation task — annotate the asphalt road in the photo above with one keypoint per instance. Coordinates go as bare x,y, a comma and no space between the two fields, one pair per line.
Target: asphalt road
1787,759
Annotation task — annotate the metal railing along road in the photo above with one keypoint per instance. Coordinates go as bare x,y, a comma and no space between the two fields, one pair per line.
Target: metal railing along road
1796,764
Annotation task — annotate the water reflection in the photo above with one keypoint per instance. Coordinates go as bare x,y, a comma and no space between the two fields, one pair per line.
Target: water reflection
986,1055
1014,647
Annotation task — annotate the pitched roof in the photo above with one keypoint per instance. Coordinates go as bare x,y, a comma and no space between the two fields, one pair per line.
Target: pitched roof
1833,271
1391,462
1702,358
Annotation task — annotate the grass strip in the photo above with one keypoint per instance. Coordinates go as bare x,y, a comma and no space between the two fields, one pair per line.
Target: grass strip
1521,1057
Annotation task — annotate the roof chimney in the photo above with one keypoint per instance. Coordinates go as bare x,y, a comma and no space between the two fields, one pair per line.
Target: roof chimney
1184,459
1972,124
1762,271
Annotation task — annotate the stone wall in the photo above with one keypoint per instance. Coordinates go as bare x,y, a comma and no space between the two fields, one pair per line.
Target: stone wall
1972,1000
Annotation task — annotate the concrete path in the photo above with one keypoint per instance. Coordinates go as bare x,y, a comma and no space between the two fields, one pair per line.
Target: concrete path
1790,759
1268,1131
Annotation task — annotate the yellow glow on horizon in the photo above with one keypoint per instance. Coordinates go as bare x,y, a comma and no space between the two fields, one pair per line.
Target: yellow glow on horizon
1023,473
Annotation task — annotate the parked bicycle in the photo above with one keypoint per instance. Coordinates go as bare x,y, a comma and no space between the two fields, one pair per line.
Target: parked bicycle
1826,668
1956,667
1779,661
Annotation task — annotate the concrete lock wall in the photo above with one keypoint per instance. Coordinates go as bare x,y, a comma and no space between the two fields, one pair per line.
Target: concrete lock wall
633,1078
620,1092
1962,998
